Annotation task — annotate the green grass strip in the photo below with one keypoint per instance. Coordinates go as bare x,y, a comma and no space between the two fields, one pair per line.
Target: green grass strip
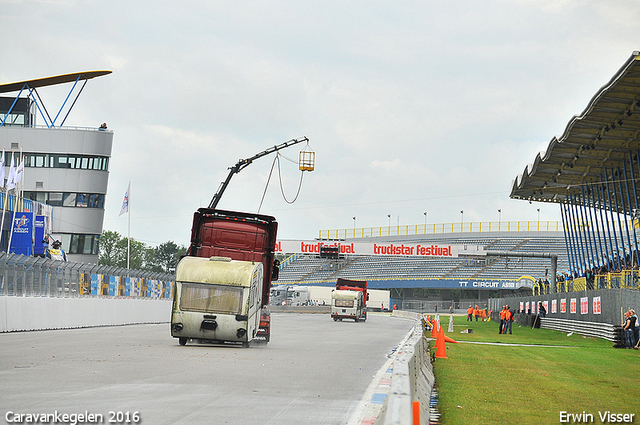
502,384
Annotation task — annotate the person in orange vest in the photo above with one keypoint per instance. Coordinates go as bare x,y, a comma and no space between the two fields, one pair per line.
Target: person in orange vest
502,316
476,312
508,320
469,314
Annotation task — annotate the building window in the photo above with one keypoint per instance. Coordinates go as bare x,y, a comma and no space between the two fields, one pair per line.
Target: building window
80,244
50,160
66,199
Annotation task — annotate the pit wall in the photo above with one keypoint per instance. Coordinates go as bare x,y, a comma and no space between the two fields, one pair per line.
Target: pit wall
412,378
39,313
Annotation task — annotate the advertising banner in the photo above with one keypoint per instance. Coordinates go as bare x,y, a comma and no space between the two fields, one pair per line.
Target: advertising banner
597,305
573,305
384,249
563,305
554,306
584,305
22,236
95,284
39,226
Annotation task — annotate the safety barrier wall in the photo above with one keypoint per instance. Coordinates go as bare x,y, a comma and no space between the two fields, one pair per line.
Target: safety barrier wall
597,306
39,313
35,276
412,378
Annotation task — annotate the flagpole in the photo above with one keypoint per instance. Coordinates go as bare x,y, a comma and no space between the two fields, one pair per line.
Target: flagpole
12,173
129,226
4,205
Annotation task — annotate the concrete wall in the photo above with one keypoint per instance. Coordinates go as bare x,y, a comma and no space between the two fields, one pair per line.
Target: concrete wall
612,300
37,313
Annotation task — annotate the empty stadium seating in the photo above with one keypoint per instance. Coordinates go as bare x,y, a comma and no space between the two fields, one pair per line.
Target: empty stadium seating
307,268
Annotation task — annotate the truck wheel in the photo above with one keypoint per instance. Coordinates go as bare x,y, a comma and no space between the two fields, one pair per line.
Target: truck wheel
182,341
335,319
245,344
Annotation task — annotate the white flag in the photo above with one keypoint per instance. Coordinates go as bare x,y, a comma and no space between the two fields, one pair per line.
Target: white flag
2,165
19,172
125,203
12,175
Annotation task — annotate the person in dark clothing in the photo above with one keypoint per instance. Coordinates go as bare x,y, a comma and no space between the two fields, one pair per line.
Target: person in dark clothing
542,310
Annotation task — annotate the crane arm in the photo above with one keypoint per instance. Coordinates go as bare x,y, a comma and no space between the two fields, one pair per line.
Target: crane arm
241,164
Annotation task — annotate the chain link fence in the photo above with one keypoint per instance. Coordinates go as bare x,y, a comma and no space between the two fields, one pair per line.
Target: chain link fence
43,277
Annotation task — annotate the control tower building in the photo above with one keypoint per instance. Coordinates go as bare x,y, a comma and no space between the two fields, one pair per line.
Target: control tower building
65,167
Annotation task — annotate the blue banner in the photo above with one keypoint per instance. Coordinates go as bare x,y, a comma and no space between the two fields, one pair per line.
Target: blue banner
22,237
38,245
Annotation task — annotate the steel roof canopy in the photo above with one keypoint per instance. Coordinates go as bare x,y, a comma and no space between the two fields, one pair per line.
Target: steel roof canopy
605,137
51,81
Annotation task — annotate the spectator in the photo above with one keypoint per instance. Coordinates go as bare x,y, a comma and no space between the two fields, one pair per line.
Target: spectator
542,310
636,331
629,327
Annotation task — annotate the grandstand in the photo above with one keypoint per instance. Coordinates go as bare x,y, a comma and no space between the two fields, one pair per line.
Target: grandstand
403,272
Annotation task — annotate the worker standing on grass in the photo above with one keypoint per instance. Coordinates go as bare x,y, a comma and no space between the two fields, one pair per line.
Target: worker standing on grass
469,314
502,316
476,312
508,320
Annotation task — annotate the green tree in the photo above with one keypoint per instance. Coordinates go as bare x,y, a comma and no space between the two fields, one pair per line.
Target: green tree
113,252
167,255
108,253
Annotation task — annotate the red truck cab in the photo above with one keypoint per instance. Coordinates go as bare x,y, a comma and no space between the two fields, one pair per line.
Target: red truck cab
239,236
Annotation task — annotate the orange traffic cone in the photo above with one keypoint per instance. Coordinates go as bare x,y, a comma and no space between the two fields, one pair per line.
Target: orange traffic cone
441,349
447,339
434,330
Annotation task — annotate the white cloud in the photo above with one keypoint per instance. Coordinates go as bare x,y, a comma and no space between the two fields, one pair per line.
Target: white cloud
411,108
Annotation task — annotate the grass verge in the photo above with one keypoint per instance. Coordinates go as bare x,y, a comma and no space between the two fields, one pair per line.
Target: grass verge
502,384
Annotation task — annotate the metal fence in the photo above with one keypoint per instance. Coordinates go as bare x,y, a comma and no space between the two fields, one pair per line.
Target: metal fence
43,277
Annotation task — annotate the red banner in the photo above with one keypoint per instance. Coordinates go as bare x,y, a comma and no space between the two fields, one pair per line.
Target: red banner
385,249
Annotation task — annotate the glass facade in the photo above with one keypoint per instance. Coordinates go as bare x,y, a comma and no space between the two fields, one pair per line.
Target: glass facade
80,244
67,199
58,160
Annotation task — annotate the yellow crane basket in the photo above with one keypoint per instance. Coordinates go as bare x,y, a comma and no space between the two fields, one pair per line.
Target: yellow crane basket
307,160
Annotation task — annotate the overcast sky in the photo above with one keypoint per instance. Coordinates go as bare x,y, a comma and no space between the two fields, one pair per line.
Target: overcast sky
410,107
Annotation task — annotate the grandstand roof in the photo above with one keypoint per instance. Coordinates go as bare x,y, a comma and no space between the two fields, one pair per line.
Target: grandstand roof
605,135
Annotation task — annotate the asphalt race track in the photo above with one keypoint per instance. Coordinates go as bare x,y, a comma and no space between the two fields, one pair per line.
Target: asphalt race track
314,371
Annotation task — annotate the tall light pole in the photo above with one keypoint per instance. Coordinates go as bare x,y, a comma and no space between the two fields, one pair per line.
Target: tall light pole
462,216
389,216
499,215
425,222
354,222
538,214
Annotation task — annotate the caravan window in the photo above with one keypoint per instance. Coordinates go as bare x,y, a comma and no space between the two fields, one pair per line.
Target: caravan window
344,303
211,298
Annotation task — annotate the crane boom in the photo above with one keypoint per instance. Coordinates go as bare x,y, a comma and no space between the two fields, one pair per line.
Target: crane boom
241,164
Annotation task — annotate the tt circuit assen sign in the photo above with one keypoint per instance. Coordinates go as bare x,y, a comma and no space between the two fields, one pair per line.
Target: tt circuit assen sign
383,249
